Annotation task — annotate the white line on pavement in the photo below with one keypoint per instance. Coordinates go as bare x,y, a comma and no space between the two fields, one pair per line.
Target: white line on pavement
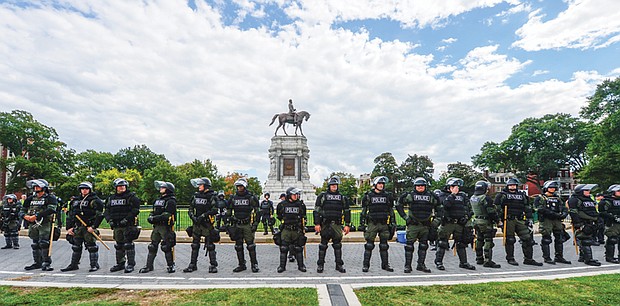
15,272
137,277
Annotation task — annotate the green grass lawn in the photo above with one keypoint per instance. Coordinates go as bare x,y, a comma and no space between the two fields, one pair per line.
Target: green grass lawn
591,290
91,296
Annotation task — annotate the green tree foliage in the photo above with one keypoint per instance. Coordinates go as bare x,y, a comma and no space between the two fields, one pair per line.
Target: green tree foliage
163,171
463,171
140,158
93,162
35,151
103,181
385,165
604,148
347,187
538,147
413,167
254,184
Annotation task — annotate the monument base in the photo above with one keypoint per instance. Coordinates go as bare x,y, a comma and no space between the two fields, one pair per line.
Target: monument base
288,156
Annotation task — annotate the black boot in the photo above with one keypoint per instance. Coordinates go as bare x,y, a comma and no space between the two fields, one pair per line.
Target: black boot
528,253
408,257
253,259
462,253
610,250
300,259
120,259
366,262
212,261
479,252
171,267
338,255
587,256
94,261
283,255
488,260
422,258
321,261
47,260
240,259
9,243
131,259
15,239
510,254
546,250
75,259
150,259
439,258
383,253
193,262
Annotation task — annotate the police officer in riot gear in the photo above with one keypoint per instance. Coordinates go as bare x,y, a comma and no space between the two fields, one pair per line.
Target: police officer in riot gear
331,212
456,223
39,211
584,215
421,205
551,213
485,219
221,203
241,213
11,221
202,209
266,214
378,213
609,208
519,221
162,217
88,207
121,211
432,233
292,214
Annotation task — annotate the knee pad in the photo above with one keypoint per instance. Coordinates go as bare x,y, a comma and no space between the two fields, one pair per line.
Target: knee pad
384,246
546,240
511,240
152,248
284,249
92,248
44,244
423,246
195,246
166,248
211,247
129,246
76,248
239,247
408,248
369,246
443,244
337,246
35,246
118,247
251,247
613,240
323,247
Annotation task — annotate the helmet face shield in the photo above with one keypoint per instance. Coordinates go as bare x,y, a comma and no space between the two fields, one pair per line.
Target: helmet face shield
453,181
589,187
242,182
334,181
380,180
197,182
613,188
85,185
159,184
420,181
39,183
120,182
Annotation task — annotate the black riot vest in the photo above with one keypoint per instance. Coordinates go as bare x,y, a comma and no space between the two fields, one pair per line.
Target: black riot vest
119,205
241,205
86,208
41,205
614,206
515,203
553,204
265,206
587,206
162,205
202,202
422,206
292,213
454,206
9,211
333,204
379,206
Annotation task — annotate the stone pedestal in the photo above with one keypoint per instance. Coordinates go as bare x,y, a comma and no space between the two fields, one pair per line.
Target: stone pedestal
288,157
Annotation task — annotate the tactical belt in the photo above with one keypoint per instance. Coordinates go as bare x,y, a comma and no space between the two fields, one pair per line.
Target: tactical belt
243,221
482,217
291,226
329,221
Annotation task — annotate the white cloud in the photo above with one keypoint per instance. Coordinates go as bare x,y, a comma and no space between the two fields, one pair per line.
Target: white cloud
189,87
540,72
585,24
449,40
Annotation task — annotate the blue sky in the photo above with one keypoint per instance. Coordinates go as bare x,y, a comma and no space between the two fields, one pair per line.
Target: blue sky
202,79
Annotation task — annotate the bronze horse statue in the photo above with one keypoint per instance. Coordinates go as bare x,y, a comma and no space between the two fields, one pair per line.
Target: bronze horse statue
287,118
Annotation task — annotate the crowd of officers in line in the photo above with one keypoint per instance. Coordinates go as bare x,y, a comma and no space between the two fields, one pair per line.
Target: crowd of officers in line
432,218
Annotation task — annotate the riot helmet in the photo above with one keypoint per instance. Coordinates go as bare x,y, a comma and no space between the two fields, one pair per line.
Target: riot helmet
85,185
550,184
379,180
292,191
242,182
120,182
513,181
334,180
43,184
613,188
201,181
161,184
267,195
481,187
10,196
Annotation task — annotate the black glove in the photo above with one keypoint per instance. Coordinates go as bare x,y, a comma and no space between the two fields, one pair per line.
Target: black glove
463,220
123,223
200,219
150,219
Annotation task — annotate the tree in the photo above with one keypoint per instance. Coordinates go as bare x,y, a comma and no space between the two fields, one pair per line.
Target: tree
94,162
464,172
413,167
163,171
103,181
538,147
604,148
347,185
35,151
139,158
385,165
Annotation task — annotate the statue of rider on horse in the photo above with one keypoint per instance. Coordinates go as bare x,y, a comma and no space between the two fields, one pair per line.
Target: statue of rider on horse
292,117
